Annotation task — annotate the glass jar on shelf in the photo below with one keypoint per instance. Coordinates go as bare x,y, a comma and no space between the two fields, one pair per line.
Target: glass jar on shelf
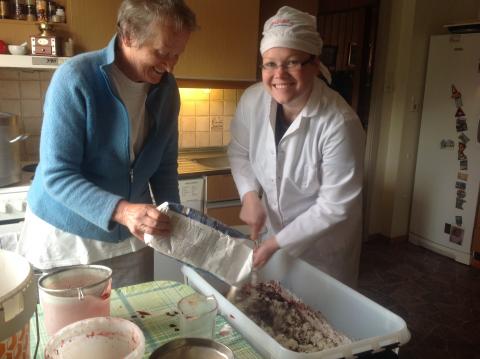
31,10
41,6
20,10
4,9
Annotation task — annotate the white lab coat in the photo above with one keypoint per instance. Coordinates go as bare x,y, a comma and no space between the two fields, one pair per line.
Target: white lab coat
313,184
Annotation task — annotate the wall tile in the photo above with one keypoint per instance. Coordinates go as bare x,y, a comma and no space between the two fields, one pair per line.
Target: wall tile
216,108
229,94
32,145
46,75
226,138
187,108
202,123
202,139
188,140
216,139
229,107
227,122
31,108
43,88
9,90
239,94
216,94
32,125
11,106
9,74
30,90
188,123
202,108
29,75
216,123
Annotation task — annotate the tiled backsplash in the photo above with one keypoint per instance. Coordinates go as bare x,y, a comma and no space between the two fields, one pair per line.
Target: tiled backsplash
205,116
204,121
22,93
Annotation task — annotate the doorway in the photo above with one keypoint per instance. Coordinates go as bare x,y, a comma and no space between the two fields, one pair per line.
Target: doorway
348,29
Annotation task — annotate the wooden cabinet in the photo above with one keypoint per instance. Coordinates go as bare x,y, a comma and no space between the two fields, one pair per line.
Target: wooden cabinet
226,45
222,200
221,188
90,23
224,48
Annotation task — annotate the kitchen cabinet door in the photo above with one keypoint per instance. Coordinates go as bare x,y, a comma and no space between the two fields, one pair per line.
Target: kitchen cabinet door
221,188
226,45
92,23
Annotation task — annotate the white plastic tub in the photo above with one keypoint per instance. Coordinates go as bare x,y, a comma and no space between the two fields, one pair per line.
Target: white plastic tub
371,326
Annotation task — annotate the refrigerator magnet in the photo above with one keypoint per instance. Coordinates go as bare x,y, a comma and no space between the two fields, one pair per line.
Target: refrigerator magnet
455,93
459,203
456,235
461,155
461,193
457,96
460,185
447,144
458,220
461,124
463,165
464,138
462,176
460,113
447,228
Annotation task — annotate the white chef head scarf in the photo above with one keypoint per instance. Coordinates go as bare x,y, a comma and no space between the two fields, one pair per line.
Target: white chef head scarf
293,29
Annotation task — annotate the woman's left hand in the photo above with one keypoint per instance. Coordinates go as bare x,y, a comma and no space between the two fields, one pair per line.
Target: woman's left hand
263,253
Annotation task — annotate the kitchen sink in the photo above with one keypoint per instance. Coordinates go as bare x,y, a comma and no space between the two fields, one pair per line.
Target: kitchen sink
213,162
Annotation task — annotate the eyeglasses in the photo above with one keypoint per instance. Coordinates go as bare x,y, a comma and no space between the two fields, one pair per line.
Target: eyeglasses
290,66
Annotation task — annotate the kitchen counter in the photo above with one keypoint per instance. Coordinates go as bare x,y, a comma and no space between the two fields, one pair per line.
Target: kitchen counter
199,163
150,306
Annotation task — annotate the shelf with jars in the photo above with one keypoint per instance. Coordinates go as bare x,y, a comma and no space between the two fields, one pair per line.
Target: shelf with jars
32,11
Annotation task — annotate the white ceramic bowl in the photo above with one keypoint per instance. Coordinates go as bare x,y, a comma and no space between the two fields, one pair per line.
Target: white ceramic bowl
17,49
101,337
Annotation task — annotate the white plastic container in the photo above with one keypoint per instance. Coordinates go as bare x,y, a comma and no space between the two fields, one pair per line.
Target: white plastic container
18,300
371,326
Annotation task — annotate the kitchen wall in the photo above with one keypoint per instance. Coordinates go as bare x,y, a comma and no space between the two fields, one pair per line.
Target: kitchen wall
205,116
22,93
204,121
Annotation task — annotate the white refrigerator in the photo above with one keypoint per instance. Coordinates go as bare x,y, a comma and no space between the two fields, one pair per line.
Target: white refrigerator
447,173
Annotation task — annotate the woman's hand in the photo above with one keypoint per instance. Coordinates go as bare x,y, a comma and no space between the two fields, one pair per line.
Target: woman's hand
263,253
253,213
141,219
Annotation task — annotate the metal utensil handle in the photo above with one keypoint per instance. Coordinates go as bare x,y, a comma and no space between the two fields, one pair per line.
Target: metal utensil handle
21,137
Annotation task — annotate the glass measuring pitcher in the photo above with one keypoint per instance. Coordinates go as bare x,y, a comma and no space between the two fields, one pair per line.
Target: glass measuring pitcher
197,316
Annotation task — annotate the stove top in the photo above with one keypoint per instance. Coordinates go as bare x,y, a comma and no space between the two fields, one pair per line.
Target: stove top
13,198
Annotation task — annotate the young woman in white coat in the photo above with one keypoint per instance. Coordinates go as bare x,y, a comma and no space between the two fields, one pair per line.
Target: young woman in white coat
296,154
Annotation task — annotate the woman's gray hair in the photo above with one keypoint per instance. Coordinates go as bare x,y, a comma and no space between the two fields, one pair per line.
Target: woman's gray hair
135,17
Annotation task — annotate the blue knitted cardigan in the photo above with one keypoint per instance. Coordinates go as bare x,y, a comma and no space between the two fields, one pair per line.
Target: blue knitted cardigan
84,167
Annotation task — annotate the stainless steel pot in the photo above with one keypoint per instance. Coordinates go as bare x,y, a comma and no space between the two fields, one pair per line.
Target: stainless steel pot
10,138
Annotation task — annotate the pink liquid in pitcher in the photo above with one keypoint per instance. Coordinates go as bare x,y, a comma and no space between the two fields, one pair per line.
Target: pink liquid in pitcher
61,311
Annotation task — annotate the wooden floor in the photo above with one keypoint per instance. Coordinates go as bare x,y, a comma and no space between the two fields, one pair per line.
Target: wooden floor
437,297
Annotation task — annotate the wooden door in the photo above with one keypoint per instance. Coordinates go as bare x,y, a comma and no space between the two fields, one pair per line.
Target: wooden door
476,238
348,30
